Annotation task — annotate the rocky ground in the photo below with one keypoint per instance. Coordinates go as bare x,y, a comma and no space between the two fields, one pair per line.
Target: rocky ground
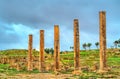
37,76
47,76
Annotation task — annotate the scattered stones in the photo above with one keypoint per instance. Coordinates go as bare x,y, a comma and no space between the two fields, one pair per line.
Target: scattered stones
76,72
95,68
85,68
39,63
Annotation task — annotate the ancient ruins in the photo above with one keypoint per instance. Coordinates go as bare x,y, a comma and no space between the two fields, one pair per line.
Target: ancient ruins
56,48
41,55
40,60
102,23
76,46
30,53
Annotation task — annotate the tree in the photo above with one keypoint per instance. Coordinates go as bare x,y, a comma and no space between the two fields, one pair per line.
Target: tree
116,43
71,47
52,51
89,45
49,51
97,44
119,41
84,46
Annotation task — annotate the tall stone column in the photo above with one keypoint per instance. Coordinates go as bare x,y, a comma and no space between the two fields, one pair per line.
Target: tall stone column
76,47
41,56
30,53
56,48
102,27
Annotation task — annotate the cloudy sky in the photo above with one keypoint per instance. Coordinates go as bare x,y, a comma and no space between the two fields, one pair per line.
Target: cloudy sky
19,18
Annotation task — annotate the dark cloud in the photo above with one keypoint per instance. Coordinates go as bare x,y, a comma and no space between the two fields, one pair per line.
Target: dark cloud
7,35
36,13
44,14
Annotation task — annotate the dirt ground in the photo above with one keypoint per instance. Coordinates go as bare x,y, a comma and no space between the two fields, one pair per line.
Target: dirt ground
37,76
44,76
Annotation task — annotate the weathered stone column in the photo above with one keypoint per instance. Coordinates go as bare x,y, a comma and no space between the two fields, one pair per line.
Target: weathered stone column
30,53
102,27
41,56
76,47
56,48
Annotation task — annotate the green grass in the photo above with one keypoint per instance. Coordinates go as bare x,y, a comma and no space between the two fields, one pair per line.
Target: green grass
87,58
4,68
17,52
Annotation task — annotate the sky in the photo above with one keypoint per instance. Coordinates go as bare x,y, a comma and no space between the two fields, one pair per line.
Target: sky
19,18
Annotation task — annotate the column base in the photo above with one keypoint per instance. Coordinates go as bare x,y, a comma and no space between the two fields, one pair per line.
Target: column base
77,72
105,70
102,71
30,69
42,69
57,72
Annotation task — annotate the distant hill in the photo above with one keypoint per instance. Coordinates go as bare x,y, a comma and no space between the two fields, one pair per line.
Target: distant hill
17,52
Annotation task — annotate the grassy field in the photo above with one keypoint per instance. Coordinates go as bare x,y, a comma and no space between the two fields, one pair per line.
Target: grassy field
87,59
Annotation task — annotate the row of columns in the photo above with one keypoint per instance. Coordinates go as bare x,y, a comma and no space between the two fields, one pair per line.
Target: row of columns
77,67
41,54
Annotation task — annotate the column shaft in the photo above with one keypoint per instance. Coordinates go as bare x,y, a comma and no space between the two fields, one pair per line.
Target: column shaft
102,23
56,47
30,53
76,45
41,56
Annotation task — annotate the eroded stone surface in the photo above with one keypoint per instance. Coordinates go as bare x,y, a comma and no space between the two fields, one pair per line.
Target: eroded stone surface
56,47
41,58
102,23
76,46
30,53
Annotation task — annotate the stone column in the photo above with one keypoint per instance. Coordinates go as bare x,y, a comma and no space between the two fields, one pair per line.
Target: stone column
102,27
41,56
30,53
56,48
76,47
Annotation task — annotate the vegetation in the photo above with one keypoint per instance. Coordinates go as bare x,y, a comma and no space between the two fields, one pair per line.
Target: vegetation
17,52
87,59
71,47
84,46
89,45
49,51
116,43
97,44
